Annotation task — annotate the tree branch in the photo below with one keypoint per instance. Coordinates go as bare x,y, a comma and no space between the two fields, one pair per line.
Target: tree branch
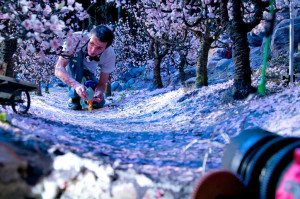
259,7
151,48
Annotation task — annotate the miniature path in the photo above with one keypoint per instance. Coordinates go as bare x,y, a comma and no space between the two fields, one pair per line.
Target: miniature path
161,136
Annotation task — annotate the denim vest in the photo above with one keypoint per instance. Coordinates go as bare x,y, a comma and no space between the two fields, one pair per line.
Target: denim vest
75,66
75,69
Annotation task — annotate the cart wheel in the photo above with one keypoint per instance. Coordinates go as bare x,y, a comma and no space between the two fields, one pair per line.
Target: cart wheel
21,102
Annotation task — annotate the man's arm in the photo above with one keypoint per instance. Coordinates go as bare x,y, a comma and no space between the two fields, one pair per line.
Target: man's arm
100,89
63,75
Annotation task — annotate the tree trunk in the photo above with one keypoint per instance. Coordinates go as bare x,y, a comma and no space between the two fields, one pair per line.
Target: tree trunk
242,71
47,88
238,33
157,83
38,92
7,50
202,57
154,52
108,87
181,68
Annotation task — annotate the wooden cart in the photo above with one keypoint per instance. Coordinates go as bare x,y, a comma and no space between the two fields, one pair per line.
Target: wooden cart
15,92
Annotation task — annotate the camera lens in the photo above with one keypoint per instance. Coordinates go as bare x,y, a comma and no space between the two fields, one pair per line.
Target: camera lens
242,147
259,158
253,170
274,169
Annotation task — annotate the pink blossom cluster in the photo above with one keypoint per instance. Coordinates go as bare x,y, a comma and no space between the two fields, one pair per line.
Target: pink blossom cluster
131,48
34,67
42,22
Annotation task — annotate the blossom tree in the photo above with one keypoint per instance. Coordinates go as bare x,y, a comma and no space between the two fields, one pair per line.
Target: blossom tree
203,19
46,23
239,18
170,21
182,55
34,69
157,51
131,47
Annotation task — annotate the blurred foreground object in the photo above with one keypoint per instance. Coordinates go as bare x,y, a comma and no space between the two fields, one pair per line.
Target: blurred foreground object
220,184
256,164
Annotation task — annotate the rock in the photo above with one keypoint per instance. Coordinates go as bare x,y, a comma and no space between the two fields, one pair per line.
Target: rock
142,83
11,164
211,65
285,13
123,86
115,86
125,77
190,72
175,79
223,64
221,53
226,36
222,72
190,81
12,171
214,52
214,59
124,191
132,73
80,178
280,37
120,88
136,72
130,83
76,178
255,39
256,58
149,77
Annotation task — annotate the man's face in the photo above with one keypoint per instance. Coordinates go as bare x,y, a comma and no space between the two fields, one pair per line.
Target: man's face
95,46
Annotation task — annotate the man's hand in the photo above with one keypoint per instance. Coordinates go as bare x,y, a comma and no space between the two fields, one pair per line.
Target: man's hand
81,91
98,96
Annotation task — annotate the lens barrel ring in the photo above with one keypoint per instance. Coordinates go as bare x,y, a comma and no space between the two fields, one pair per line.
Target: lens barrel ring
253,169
237,152
274,169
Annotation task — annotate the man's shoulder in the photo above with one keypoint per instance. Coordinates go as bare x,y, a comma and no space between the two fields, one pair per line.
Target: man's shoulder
109,52
108,56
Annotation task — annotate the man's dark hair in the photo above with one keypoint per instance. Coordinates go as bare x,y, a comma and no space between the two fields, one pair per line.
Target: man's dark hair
104,34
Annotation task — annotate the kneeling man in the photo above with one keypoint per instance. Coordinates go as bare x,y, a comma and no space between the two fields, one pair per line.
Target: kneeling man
79,64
